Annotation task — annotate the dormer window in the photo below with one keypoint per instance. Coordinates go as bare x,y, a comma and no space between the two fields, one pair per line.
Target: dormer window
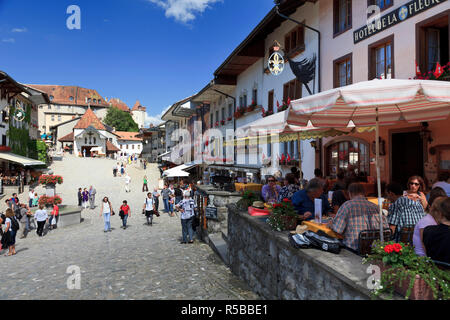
95,100
51,98
71,98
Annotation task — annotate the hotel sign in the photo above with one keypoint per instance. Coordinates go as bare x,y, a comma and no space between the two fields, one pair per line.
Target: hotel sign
406,11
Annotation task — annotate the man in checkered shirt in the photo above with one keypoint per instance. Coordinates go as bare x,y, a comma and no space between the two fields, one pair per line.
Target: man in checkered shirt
403,212
356,215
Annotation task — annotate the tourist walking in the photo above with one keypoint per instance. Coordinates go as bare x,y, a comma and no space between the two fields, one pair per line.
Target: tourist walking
9,235
122,169
85,195
106,211
24,219
30,198
145,164
145,186
127,183
114,170
41,217
156,196
124,213
165,192
80,197
149,209
172,200
54,217
187,207
92,193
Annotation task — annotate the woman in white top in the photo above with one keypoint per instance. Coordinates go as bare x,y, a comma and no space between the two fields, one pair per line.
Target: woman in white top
106,212
41,217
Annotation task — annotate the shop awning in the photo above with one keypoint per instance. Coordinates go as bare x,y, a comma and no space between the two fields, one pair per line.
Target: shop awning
178,171
27,162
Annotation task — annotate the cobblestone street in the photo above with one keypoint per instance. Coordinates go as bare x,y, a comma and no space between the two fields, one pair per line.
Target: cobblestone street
141,262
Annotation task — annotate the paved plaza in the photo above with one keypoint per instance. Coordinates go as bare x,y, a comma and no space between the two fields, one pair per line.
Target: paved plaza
141,262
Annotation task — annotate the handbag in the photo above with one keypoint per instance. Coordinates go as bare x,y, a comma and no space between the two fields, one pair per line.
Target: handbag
121,214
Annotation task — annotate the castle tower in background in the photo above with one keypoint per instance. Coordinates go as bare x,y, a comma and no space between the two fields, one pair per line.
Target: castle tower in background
138,114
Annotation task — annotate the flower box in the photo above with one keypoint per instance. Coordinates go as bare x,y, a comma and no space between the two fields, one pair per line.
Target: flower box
420,290
404,272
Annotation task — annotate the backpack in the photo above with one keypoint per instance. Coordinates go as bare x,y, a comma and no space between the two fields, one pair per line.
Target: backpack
18,214
14,224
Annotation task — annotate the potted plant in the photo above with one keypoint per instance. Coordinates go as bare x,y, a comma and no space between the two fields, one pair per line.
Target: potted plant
247,199
403,271
284,216
266,113
430,75
222,122
284,105
50,179
229,119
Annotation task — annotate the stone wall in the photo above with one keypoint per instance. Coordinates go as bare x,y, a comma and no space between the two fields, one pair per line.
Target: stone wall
275,270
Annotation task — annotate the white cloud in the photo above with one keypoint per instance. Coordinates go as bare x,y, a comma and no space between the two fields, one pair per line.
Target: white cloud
20,29
155,120
10,40
183,10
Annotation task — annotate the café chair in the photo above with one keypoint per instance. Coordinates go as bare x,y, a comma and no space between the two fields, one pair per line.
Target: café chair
367,237
406,235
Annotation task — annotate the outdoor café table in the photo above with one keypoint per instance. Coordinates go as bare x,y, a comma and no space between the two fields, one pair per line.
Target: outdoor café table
248,187
314,227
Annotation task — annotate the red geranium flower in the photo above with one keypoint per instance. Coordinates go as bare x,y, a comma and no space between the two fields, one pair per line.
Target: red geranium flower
286,200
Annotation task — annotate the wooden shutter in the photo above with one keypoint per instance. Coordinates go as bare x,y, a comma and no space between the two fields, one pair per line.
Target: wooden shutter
287,43
270,103
298,90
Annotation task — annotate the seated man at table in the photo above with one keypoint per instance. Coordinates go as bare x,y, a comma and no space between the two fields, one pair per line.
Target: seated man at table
437,238
271,190
356,215
403,212
303,200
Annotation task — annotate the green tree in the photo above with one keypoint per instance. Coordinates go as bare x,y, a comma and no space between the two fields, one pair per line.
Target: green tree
121,120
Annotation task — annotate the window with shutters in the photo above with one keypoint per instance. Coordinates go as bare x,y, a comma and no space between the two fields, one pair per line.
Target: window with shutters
294,41
292,90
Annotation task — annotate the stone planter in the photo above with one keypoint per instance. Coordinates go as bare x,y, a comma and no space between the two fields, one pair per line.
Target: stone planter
420,290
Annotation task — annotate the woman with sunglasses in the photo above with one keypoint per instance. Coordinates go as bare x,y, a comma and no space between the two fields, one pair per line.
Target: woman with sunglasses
416,191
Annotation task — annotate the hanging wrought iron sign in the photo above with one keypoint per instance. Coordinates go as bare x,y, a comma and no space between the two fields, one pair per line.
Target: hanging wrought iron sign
276,61
276,64
19,113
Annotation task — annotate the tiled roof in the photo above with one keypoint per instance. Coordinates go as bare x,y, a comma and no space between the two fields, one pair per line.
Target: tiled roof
89,119
128,136
138,107
71,95
67,138
117,103
110,147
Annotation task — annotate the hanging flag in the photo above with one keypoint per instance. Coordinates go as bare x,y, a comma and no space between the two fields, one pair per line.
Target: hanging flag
288,158
439,71
418,73
283,157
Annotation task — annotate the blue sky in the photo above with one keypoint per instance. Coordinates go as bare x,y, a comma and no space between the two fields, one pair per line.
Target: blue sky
155,51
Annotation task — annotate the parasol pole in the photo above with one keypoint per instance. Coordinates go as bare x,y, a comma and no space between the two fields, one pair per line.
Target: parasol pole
300,160
377,162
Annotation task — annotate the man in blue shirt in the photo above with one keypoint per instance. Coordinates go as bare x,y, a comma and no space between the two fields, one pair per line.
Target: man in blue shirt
303,200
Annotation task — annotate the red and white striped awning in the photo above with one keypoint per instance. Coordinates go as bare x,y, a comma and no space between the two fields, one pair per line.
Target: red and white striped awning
396,100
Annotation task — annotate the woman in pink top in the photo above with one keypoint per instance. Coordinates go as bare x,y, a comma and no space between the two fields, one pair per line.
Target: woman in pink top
431,219
54,215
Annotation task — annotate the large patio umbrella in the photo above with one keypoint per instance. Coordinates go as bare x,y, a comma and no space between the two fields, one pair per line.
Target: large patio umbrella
376,102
